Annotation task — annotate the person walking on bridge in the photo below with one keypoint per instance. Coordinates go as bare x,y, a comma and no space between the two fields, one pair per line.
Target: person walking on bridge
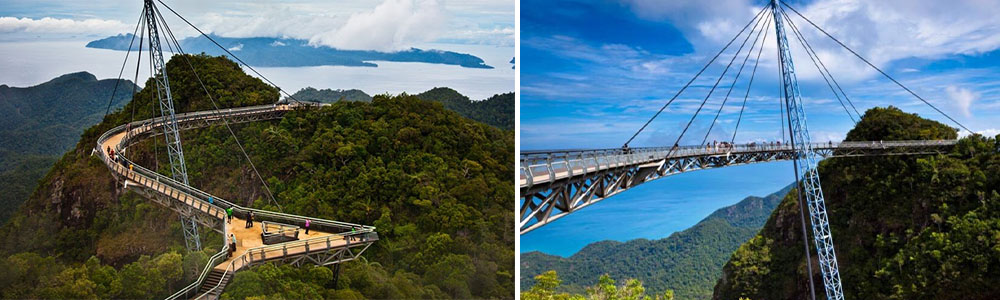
307,226
232,244
229,215
249,220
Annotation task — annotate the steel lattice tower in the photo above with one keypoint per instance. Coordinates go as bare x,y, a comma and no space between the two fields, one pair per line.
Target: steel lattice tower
805,165
175,151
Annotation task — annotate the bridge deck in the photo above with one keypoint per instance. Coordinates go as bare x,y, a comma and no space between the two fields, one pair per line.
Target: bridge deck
558,182
538,167
328,242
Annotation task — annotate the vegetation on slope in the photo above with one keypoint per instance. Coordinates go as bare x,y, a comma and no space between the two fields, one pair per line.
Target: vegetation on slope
547,286
79,236
689,261
497,110
905,227
41,122
436,185
329,96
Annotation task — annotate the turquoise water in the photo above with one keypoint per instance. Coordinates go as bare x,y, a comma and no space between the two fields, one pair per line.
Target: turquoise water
657,209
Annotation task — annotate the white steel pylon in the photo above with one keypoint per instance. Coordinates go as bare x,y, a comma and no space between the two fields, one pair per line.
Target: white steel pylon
805,166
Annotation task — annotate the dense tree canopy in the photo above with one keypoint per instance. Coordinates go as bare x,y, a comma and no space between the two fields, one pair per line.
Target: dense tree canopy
436,185
546,285
905,227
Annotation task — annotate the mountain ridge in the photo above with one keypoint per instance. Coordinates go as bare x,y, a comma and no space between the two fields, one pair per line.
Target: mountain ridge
687,260
41,122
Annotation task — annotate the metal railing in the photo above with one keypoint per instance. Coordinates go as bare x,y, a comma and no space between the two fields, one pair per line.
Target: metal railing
192,289
300,247
272,233
549,165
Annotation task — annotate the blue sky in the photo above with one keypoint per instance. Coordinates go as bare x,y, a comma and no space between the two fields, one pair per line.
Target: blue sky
593,71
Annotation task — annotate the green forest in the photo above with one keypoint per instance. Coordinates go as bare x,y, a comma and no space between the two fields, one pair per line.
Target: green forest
497,110
436,185
41,122
904,227
310,94
546,286
688,262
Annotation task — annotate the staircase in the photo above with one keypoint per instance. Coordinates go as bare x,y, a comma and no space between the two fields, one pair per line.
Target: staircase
211,280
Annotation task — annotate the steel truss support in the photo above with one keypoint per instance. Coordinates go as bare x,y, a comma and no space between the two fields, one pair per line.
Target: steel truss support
556,183
175,151
805,164
319,256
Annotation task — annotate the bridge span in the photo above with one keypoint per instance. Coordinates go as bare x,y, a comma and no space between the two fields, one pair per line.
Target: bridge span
275,237
555,183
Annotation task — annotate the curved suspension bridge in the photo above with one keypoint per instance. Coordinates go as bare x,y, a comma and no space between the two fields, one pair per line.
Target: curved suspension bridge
275,237
555,183
328,242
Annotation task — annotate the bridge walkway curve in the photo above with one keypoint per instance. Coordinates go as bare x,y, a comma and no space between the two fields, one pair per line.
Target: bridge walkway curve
328,242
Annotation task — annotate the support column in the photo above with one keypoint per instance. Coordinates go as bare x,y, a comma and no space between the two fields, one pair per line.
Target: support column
805,165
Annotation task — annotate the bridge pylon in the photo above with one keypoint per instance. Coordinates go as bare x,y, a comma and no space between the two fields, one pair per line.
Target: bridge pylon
805,165
178,169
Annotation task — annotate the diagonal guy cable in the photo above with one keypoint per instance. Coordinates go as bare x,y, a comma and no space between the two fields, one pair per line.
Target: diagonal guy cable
755,18
224,121
737,78
874,67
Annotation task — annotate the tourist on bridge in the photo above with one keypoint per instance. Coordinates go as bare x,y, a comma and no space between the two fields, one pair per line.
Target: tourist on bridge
229,215
210,200
307,226
249,220
232,244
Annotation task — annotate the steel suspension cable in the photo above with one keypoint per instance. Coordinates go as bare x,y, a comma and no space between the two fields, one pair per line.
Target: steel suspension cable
172,38
781,93
733,85
810,48
755,18
138,63
717,81
876,68
122,71
226,50
749,84
809,53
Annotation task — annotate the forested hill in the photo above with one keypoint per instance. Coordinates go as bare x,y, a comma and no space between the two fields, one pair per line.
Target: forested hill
689,261
437,186
41,122
497,110
904,227
329,96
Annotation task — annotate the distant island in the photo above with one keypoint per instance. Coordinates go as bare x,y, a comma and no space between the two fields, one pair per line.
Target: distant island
277,52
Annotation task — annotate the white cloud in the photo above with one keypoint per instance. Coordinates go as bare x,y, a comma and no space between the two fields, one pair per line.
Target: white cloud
236,48
992,132
64,26
882,31
277,44
962,98
392,25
